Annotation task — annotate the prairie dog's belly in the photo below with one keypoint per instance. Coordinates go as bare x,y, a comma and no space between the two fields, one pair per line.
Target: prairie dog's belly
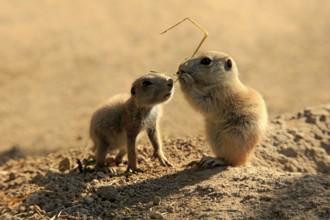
117,141
214,133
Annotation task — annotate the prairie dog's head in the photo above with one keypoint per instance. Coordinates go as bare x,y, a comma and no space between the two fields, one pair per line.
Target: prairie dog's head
151,89
208,68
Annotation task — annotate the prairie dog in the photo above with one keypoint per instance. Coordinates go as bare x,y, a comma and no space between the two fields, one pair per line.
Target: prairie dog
235,115
117,123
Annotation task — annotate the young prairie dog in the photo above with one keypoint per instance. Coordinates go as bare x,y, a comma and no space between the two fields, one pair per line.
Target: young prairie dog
235,115
118,122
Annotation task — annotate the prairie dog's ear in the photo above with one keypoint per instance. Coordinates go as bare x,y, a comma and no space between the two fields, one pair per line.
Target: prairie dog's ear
132,91
228,64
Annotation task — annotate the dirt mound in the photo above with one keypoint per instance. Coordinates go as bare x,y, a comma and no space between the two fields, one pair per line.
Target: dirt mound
298,142
288,178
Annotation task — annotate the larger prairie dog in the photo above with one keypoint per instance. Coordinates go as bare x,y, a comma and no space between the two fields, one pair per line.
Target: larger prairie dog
118,122
235,115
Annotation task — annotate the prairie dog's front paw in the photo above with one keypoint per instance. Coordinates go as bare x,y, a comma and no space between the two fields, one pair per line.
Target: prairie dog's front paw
162,159
186,79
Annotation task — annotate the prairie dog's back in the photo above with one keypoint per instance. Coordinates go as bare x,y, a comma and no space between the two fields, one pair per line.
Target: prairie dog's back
107,118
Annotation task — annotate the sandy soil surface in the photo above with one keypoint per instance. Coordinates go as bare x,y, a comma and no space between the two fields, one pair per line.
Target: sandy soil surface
60,59
288,178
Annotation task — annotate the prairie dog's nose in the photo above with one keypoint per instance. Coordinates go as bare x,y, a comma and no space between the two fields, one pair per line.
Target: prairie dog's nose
180,71
170,83
182,68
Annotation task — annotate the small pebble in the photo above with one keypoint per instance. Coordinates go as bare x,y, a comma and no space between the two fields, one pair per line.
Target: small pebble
64,165
170,209
156,215
22,208
156,200
121,181
84,211
131,192
94,182
12,176
89,199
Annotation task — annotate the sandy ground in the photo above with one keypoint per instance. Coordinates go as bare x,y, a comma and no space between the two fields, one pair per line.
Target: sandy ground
288,178
60,59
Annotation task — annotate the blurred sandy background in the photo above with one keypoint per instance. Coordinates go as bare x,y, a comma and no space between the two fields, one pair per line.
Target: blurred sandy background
60,59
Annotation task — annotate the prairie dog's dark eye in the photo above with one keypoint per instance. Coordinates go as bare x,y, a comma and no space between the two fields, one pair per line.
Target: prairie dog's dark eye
228,64
146,83
206,61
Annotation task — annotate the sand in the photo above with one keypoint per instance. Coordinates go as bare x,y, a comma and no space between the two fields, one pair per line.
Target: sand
288,178
59,60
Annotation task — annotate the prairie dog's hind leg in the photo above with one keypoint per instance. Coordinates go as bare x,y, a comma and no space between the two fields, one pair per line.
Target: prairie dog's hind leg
101,152
120,155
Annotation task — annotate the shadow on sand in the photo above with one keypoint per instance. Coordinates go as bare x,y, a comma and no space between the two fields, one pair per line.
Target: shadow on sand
69,189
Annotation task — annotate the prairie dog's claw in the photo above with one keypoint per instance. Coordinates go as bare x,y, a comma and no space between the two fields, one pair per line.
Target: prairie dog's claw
136,170
211,162
165,162
162,159
192,163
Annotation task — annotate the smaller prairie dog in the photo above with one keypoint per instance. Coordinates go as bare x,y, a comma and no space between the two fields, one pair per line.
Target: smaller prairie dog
235,115
118,122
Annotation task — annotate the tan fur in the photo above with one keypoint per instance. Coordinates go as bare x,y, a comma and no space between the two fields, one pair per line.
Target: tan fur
235,115
118,122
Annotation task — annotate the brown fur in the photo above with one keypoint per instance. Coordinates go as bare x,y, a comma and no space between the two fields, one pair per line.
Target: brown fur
119,121
235,115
